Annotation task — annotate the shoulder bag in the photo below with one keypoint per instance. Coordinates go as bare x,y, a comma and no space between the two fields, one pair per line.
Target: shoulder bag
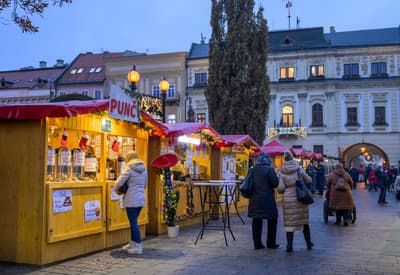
247,185
124,188
303,194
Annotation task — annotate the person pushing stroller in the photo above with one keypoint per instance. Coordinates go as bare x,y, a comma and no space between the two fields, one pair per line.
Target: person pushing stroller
339,194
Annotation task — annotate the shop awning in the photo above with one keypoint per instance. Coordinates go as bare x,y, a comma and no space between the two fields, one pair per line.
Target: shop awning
274,148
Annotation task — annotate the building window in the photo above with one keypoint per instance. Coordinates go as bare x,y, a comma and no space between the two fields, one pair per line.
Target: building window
317,115
85,92
201,117
318,149
155,91
97,94
287,116
200,79
351,70
317,71
378,69
171,118
352,119
380,115
171,91
286,73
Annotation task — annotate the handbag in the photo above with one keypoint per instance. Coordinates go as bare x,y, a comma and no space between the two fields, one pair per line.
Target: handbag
247,185
124,188
302,193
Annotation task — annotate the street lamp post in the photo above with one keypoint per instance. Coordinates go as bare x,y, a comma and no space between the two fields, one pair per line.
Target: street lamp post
133,78
164,87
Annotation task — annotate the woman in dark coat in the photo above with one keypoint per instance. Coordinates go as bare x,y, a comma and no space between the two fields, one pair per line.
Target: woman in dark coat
339,200
295,213
262,203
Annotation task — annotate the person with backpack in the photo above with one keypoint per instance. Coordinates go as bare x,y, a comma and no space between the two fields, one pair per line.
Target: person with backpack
340,194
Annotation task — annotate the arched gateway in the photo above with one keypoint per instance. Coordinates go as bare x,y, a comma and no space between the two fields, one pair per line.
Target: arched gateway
364,153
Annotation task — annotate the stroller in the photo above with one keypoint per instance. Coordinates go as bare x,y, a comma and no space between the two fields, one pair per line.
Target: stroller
397,187
331,212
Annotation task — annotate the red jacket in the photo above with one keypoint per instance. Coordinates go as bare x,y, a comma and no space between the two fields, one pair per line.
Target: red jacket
372,179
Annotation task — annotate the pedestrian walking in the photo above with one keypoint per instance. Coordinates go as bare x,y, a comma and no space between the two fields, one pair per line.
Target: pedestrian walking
354,176
320,178
262,204
310,170
372,180
361,172
340,200
135,175
382,184
295,213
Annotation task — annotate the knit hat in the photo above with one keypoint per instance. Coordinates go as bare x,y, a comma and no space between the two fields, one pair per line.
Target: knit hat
287,155
263,159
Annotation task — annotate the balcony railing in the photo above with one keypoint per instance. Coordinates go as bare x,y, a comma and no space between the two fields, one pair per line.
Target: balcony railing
287,131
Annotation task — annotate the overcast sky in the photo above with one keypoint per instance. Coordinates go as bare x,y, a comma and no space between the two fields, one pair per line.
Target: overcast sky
155,26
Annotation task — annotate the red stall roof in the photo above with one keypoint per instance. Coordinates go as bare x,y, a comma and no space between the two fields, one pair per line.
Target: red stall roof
274,148
56,109
240,139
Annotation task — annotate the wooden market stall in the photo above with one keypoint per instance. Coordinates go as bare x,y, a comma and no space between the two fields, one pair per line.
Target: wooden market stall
238,148
59,163
200,161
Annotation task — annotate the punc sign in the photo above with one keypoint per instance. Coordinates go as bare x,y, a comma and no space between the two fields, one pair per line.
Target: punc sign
124,107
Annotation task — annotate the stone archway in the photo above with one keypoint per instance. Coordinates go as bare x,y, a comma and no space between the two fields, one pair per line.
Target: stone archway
351,155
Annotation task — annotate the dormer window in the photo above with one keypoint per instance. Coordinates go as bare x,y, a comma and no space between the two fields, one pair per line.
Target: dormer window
79,71
92,70
73,71
98,69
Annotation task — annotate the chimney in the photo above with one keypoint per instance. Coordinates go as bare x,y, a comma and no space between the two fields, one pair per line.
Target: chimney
60,63
332,29
42,64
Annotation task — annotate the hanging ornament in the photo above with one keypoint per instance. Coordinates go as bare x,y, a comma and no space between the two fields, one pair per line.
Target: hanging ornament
64,139
116,144
83,142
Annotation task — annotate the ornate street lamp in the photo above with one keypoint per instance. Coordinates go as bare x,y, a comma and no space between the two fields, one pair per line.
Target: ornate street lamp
164,87
133,78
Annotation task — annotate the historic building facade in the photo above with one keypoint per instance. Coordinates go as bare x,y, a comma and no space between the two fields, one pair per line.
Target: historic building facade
152,69
336,93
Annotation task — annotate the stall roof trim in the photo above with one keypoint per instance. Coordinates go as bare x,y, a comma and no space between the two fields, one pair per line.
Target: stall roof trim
34,111
57,109
240,139
185,128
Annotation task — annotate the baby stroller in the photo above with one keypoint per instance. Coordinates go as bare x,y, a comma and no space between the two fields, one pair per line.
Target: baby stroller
331,212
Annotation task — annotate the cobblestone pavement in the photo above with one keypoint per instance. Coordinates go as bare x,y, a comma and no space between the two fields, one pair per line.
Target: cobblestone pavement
370,246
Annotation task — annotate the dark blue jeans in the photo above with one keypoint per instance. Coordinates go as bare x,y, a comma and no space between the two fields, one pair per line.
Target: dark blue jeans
382,195
133,214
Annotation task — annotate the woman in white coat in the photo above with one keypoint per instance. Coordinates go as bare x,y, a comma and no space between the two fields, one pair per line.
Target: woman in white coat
135,175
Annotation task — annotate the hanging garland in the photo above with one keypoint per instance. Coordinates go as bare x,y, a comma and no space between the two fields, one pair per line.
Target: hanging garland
171,198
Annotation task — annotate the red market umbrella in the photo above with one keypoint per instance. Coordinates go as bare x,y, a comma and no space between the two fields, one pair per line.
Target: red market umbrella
274,148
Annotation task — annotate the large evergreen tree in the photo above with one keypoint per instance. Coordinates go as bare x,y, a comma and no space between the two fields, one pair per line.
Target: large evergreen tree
238,85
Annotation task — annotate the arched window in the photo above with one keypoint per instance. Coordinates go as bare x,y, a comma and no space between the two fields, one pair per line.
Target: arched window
287,116
317,115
